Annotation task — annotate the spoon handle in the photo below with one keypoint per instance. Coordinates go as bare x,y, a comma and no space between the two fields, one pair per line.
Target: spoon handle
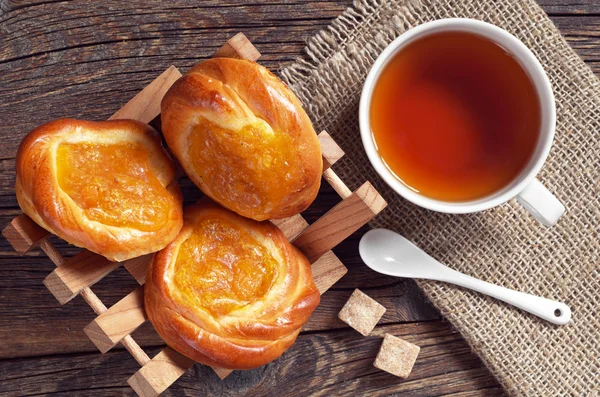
550,310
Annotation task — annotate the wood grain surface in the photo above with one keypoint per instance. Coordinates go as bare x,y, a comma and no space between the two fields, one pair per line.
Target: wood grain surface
86,59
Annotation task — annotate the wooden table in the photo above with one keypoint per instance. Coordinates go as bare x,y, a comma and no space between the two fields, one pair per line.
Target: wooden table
84,60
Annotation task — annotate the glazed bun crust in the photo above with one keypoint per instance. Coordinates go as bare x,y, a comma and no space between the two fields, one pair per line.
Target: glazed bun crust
235,306
106,186
243,138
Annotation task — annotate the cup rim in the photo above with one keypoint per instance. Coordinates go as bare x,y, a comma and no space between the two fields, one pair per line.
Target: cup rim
528,61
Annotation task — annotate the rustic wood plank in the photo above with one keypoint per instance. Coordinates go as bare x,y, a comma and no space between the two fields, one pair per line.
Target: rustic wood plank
583,34
359,275
403,302
143,106
445,366
106,45
105,50
570,7
326,200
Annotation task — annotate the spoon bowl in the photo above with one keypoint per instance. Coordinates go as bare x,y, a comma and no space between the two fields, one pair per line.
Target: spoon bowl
387,252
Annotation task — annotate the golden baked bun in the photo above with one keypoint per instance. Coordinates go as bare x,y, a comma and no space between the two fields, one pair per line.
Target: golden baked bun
243,138
106,186
229,291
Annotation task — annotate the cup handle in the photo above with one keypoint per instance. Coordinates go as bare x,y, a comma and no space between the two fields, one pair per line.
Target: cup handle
542,204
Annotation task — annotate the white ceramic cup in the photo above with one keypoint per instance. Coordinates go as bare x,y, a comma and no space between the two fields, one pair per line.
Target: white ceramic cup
542,204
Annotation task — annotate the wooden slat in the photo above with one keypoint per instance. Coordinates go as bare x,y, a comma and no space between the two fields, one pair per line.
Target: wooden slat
222,373
331,154
145,106
336,183
138,267
80,271
120,320
330,149
327,270
24,234
135,350
238,47
50,250
160,373
292,226
340,222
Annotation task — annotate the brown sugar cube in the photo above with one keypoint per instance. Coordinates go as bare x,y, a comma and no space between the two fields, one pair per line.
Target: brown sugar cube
361,312
396,356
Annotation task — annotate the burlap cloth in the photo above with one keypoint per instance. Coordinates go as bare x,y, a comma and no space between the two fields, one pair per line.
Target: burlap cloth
504,245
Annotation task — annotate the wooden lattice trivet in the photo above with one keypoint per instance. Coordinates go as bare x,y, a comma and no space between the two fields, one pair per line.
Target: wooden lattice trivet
75,276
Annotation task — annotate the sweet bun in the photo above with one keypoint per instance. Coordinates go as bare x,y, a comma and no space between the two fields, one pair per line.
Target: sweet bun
243,138
229,291
106,186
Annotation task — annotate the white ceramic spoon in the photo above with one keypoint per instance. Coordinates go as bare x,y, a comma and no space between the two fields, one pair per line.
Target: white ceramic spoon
389,253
